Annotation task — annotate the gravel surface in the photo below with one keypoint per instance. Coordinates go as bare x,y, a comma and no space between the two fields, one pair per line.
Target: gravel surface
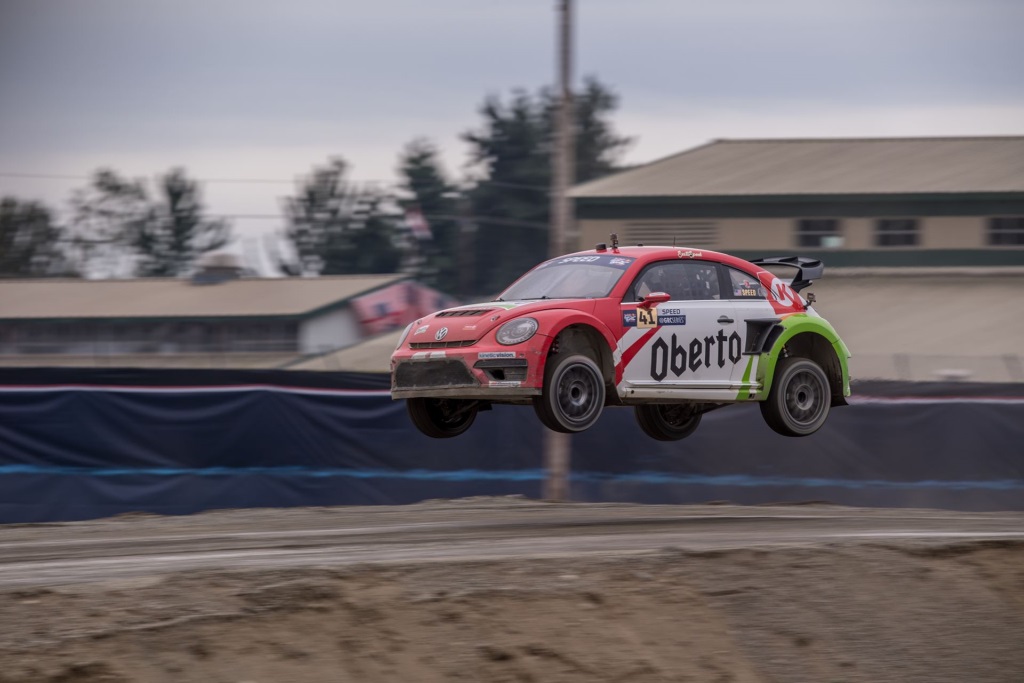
512,590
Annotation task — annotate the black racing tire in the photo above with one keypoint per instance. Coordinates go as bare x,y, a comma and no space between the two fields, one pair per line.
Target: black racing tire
442,418
573,396
800,398
668,421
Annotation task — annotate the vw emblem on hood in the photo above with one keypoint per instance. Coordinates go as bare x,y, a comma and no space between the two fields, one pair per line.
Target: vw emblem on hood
441,334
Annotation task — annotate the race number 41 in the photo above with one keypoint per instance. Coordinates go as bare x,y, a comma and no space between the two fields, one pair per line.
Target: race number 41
646,317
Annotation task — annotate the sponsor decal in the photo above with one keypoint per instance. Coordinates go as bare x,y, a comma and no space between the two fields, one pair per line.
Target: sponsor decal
429,355
506,383
441,334
690,253
782,292
674,357
421,330
620,262
652,317
578,259
745,291
490,355
671,316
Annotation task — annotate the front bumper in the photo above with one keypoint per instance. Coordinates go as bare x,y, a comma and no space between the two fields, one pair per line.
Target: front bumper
485,374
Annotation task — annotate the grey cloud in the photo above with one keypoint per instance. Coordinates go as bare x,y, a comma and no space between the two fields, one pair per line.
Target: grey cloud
96,74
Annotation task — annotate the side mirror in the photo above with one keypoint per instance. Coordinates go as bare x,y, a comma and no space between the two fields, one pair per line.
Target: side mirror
655,298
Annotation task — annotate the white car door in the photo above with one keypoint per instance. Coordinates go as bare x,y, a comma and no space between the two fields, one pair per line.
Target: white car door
685,348
754,315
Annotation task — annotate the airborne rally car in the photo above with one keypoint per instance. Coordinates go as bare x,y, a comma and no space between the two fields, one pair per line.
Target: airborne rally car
671,332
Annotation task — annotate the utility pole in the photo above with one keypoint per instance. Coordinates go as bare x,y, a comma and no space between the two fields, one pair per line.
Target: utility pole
556,445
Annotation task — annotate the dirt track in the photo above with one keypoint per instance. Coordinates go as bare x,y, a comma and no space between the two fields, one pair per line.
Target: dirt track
509,590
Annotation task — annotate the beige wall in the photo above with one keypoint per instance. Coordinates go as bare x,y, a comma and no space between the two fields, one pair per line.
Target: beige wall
731,233
858,233
754,233
957,232
593,231
960,232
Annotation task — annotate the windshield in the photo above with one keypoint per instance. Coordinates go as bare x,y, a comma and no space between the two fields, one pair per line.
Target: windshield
570,277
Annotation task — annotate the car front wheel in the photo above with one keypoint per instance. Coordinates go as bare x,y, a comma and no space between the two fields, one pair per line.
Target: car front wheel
799,400
668,422
442,418
573,395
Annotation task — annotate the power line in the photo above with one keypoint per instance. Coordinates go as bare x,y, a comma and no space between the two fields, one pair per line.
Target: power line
494,220
249,216
511,222
500,183
43,176
265,181
276,181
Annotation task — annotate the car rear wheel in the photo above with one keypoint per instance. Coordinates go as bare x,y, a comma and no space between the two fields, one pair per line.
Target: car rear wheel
442,418
800,398
573,395
668,422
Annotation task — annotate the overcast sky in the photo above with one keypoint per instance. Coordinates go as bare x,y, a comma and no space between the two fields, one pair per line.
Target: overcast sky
267,89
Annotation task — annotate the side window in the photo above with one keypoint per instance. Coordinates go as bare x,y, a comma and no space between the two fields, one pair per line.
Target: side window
682,280
744,286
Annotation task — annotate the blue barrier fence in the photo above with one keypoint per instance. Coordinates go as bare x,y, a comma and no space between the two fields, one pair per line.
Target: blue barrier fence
89,445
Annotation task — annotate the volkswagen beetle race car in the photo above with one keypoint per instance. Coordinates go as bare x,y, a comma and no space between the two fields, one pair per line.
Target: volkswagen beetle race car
672,332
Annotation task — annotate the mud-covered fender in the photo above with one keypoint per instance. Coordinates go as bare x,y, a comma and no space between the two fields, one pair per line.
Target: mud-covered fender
552,322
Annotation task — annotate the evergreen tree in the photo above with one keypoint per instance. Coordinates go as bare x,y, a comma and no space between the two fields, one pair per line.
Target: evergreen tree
438,201
120,230
337,229
179,235
30,241
512,153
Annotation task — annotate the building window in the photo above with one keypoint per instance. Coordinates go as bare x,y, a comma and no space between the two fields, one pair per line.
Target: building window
896,232
1006,232
822,233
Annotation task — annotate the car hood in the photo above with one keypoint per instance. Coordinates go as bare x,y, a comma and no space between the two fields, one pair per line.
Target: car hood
471,322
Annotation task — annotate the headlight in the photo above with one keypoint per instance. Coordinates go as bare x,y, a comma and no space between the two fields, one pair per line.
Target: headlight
516,331
404,335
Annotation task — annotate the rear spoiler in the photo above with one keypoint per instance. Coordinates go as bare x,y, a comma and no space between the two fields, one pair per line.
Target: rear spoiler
807,269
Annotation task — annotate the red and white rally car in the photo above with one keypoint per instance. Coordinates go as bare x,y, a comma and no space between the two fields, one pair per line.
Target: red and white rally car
672,332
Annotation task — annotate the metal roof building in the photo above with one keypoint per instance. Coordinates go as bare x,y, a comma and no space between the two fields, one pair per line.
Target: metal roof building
878,202
167,298
257,322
